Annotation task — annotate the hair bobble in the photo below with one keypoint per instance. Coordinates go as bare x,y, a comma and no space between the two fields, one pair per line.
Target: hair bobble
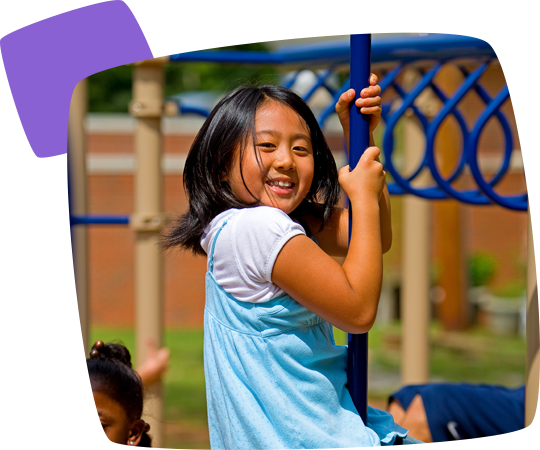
95,349
146,427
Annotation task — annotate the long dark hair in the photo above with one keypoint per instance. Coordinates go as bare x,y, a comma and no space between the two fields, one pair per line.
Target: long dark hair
110,371
227,129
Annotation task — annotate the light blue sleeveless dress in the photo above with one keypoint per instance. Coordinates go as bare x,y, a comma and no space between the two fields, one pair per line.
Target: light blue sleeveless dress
276,380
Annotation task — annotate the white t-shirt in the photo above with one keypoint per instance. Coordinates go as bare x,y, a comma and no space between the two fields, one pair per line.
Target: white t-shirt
247,248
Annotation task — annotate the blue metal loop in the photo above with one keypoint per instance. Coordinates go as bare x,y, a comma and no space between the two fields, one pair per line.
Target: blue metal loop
291,79
515,202
321,82
431,192
471,196
330,108
464,131
423,121
507,137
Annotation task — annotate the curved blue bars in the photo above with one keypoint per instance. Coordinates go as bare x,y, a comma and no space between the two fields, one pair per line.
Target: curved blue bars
388,141
448,108
516,202
426,54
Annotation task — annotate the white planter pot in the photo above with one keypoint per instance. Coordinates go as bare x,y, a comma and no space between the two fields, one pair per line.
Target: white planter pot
503,313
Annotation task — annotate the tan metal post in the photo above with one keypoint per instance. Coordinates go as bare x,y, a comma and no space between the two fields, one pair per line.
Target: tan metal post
533,352
148,220
78,206
415,305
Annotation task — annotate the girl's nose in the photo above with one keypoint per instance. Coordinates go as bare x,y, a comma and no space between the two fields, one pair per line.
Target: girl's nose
284,160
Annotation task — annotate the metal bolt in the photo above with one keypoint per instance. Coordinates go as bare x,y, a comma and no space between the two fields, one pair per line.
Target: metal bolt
137,107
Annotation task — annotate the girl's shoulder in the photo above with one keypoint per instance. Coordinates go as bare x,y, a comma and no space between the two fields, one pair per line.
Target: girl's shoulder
262,220
245,249
263,213
259,228
214,226
262,216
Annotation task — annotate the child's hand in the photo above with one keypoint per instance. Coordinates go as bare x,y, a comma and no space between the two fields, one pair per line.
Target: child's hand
155,365
366,180
369,103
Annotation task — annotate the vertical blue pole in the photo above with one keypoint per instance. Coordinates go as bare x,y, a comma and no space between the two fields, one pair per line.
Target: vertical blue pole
358,142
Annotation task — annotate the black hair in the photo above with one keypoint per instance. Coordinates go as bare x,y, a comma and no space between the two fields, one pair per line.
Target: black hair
111,372
227,129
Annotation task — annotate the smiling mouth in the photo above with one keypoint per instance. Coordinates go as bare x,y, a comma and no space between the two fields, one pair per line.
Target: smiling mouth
280,186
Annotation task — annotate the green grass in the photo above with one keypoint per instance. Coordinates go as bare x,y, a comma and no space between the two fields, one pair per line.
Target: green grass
475,356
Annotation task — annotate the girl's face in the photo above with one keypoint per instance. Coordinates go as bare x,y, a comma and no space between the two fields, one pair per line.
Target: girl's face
118,428
286,155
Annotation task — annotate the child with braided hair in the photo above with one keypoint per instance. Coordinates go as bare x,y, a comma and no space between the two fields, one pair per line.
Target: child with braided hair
118,394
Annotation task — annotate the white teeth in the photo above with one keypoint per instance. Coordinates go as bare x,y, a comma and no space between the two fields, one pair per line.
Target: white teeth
282,183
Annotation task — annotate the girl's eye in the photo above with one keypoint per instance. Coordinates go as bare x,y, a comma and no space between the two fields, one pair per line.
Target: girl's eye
266,145
300,149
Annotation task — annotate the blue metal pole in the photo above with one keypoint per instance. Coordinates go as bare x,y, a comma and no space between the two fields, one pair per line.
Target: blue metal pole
358,142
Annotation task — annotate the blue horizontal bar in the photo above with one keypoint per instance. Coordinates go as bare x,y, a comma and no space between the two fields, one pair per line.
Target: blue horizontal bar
383,49
226,56
99,220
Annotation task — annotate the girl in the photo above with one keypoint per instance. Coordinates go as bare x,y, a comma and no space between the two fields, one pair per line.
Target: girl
118,393
260,179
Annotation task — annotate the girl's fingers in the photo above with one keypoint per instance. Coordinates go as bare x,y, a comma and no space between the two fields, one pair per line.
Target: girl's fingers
344,100
373,79
370,101
347,96
375,110
371,91
371,153
344,170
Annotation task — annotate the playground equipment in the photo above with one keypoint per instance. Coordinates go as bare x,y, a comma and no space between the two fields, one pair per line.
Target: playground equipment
407,65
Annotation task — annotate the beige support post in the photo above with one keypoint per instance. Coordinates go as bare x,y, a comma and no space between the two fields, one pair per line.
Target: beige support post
148,220
533,352
77,174
415,305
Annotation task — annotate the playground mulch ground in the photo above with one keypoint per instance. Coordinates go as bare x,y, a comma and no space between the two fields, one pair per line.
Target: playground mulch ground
473,356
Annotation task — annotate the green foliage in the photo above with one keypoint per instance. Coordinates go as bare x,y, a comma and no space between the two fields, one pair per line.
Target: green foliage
111,90
213,77
481,267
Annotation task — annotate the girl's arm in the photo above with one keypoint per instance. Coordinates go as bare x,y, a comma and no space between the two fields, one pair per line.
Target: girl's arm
345,295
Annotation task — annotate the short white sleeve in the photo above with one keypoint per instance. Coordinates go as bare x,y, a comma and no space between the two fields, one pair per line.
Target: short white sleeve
247,248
